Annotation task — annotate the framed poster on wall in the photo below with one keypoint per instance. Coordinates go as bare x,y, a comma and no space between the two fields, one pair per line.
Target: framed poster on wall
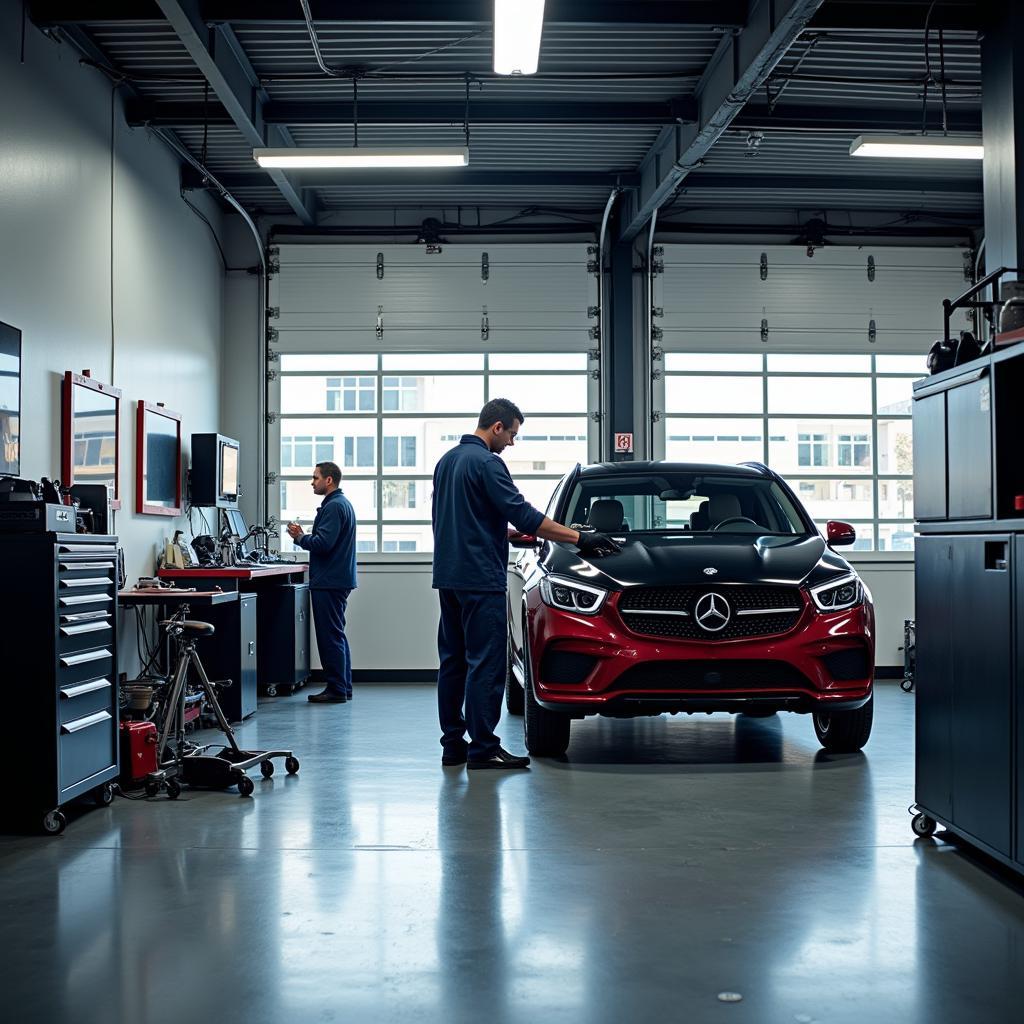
90,433
157,460
10,400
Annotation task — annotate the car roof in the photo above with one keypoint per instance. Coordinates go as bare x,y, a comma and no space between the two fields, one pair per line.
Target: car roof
753,470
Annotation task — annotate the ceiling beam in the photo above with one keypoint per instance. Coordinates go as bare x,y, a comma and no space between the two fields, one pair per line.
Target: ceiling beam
234,83
739,67
413,180
850,119
758,183
481,112
698,13
908,15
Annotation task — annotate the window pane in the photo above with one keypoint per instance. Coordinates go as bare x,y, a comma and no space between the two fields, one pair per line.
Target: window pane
713,394
548,445
291,362
433,437
404,538
818,363
896,498
413,361
714,361
795,446
365,447
409,447
896,536
819,395
537,492
433,394
389,454
537,393
299,503
714,440
406,499
335,435
836,499
895,396
895,447
901,364
519,361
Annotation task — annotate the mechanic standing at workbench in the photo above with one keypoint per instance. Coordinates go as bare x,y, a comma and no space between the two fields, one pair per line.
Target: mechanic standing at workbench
474,501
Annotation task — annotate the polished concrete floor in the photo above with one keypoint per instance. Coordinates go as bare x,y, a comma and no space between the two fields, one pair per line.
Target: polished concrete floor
666,862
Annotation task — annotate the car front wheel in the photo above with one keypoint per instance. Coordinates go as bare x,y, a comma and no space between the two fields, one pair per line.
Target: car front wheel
547,732
844,732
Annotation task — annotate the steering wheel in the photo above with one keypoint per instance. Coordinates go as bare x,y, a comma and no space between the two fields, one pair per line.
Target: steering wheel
732,519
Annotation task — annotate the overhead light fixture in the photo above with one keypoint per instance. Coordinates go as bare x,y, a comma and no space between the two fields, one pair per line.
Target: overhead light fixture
518,25
920,147
300,159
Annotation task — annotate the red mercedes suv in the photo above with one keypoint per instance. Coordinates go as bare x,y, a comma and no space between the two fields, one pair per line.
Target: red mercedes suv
725,597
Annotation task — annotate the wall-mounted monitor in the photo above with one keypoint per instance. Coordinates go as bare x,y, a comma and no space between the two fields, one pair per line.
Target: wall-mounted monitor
157,460
10,400
214,476
90,434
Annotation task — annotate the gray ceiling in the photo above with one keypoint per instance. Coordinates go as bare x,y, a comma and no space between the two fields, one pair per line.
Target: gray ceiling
612,76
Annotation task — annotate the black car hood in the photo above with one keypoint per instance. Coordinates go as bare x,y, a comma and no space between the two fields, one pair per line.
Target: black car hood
681,558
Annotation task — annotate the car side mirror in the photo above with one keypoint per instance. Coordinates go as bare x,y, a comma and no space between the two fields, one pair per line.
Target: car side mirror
840,534
522,540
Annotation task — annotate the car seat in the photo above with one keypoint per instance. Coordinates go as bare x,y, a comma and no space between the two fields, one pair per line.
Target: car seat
700,520
722,507
606,515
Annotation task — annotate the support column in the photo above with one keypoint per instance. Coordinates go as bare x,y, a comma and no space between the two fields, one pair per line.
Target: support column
1002,67
619,416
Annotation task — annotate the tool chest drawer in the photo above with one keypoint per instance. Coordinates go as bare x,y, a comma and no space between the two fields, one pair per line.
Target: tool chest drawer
86,747
79,666
76,700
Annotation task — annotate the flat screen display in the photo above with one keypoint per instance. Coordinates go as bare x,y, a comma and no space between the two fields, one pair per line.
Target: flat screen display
94,437
228,470
236,522
161,484
10,399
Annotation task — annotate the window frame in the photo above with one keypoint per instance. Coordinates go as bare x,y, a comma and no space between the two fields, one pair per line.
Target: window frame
869,527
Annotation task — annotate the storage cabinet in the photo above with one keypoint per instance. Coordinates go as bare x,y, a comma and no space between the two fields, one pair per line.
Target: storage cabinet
284,614
231,654
969,581
59,726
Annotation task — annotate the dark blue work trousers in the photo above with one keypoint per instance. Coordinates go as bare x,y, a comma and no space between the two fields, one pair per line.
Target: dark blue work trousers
472,646
329,621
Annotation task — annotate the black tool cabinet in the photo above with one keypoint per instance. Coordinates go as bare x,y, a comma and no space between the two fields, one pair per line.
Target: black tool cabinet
59,727
284,614
231,654
969,583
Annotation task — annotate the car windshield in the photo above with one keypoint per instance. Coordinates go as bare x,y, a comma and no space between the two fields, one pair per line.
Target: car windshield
691,502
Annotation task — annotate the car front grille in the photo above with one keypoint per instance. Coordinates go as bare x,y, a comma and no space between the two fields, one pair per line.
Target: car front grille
712,676
755,610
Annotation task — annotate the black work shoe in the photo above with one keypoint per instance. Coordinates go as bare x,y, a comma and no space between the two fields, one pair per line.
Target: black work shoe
327,697
453,758
502,759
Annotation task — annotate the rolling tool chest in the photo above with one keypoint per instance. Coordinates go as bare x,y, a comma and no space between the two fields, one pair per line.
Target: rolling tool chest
59,730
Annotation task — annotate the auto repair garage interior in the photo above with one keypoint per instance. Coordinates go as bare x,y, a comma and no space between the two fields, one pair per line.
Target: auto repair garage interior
783,233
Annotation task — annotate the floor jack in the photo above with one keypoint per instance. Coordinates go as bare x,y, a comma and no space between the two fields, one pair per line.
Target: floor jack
185,763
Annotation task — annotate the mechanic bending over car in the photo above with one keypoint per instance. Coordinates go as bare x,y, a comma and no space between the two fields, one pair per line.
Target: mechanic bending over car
474,501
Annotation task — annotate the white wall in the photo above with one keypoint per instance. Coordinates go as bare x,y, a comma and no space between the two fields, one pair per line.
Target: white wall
55,277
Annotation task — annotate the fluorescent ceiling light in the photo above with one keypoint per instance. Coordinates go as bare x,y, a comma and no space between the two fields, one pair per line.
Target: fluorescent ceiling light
927,147
517,29
299,159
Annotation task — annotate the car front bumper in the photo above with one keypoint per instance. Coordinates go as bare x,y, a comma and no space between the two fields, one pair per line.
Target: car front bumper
588,665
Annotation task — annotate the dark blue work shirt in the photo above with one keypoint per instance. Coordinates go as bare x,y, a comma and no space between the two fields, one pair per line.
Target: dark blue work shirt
474,501
332,545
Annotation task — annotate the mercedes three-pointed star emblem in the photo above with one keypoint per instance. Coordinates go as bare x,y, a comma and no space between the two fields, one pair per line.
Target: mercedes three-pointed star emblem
712,612
710,571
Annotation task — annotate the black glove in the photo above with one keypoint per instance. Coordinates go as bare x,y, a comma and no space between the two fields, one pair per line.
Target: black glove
597,544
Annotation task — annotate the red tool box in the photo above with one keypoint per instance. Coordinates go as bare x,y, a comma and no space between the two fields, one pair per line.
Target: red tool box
138,751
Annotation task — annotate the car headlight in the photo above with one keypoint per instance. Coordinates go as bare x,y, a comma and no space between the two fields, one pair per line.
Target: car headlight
834,596
572,596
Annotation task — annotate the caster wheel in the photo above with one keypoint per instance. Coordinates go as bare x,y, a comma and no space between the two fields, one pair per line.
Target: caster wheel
54,823
246,785
152,788
923,826
173,789
291,765
271,691
267,768
103,795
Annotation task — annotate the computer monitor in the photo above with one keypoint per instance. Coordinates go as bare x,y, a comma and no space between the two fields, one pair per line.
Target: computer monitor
236,522
228,471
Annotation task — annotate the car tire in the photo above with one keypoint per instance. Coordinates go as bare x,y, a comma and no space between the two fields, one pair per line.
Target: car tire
845,732
547,732
514,696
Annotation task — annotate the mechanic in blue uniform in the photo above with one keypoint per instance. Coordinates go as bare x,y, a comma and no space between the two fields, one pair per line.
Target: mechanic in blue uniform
332,578
474,501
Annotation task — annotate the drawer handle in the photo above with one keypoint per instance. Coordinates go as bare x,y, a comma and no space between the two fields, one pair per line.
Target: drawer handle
86,599
88,550
70,660
91,581
70,692
87,565
84,723
86,617
84,627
